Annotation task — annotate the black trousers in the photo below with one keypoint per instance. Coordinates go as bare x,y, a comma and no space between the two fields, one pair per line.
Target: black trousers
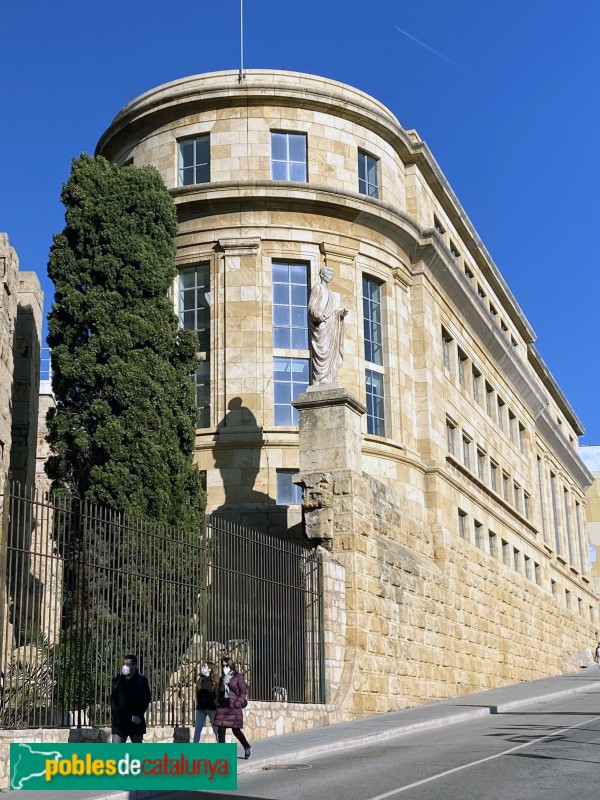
237,732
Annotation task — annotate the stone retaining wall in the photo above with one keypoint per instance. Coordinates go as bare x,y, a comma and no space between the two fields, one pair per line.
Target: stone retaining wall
261,721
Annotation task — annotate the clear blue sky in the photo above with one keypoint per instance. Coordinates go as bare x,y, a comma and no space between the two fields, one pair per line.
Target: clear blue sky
504,94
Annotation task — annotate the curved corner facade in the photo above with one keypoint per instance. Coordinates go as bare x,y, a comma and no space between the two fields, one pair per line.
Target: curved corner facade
467,434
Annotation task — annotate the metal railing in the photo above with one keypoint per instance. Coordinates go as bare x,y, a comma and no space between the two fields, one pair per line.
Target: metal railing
86,585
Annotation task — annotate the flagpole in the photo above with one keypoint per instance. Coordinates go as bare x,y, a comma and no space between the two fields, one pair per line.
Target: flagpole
241,75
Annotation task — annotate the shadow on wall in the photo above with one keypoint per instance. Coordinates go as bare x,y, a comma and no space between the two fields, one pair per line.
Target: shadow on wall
25,587
237,453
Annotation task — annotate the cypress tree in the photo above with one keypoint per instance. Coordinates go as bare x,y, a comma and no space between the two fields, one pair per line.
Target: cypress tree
124,425
122,433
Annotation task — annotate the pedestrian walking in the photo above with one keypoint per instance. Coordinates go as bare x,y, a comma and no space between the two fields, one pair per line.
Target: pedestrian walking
129,699
597,654
206,700
231,699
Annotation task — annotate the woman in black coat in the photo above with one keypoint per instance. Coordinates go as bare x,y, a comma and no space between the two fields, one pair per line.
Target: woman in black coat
230,700
206,700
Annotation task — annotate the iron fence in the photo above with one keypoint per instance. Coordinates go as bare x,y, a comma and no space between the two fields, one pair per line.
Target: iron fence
86,585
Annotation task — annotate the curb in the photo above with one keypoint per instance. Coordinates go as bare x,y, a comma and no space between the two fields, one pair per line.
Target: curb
395,733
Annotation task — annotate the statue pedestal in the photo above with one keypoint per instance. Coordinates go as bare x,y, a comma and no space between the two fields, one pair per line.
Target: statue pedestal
329,428
330,452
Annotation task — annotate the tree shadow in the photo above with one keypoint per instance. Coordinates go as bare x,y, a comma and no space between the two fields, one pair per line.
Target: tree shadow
237,453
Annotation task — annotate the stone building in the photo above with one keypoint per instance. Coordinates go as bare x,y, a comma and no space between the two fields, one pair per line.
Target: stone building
591,457
21,303
446,487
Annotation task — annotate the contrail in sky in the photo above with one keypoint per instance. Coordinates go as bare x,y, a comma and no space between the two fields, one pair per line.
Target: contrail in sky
431,50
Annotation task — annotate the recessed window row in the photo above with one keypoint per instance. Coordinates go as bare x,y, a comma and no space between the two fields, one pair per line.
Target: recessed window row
289,161
471,380
475,459
567,600
471,277
499,548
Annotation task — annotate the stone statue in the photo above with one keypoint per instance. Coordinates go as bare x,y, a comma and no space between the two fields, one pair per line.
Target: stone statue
326,330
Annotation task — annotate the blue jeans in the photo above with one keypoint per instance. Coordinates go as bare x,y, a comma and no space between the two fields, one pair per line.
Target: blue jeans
201,719
122,739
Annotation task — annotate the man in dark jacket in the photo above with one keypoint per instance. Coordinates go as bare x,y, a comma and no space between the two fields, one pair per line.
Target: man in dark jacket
129,699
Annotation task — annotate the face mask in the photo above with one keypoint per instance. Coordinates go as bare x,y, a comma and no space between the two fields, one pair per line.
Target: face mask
125,669
205,671
226,670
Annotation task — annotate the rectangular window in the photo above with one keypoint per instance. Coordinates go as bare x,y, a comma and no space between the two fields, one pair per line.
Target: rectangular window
290,299
512,426
580,606
290,378
541,498
462,362
567,598
528,572
505,553
568,526
202,382
368,182
466,451
462,525
501,407
288,493
580,538
194,303
526,505
489,400
450,437
521,437
375,403
373,338
555,513
517,496
505,487
493,475
538,573
493,540
288,156
476,385
446,342
517,559
372,321
480,464
554,588
194,160
478,534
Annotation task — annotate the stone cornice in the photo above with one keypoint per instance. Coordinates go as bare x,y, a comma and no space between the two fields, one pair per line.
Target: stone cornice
546,427
457,288
240,247
338,253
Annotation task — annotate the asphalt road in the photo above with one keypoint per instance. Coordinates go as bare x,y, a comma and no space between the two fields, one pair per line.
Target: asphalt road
549,751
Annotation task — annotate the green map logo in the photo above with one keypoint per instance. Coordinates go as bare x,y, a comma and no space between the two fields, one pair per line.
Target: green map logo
120,766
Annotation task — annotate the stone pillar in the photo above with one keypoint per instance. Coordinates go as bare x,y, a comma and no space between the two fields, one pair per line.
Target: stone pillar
26,379
330,452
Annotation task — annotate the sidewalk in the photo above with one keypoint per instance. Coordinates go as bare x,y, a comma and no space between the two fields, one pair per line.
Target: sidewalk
369,730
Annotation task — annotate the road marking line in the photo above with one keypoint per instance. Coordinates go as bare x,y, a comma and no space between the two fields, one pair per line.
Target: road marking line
479,761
